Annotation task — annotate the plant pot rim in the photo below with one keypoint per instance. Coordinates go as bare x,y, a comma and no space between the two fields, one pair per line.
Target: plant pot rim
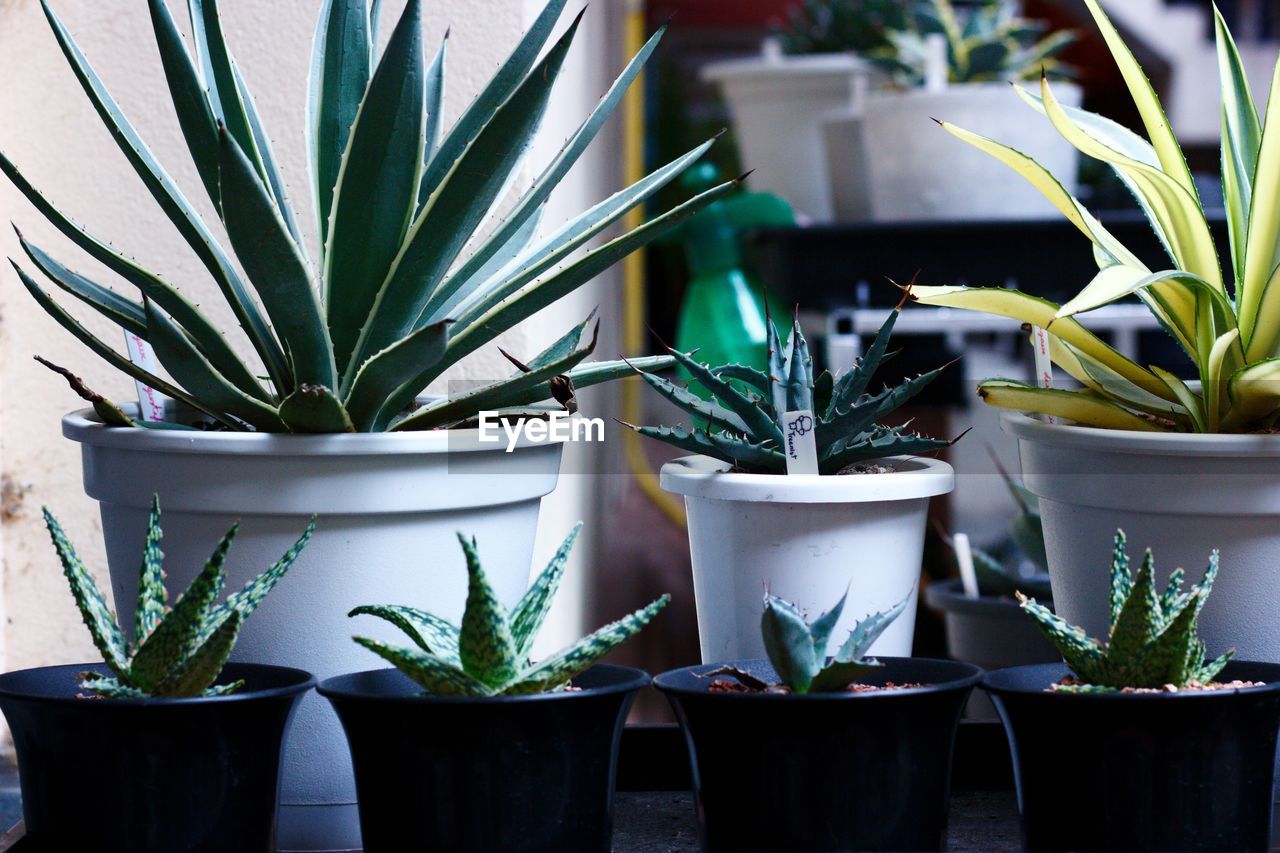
948,596
1027,428
85,427
348,687
760,67
299,681
919,93
704,477
966,675
998,683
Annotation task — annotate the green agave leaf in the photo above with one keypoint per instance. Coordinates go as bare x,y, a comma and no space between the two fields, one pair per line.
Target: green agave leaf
108,639
558,670
838,675
275,265
759,425
177,637
877,444
385,372
186,365
341,65
1121,583
274,180
822,627
196,674
458,204
377,191
108,688
1140,617
172,201
863,416
788,644
853,383
314,409
428,632
125,313
1083,654
114,358
486,646
705,413
435,115
741,373
437,676
1241,141
535,604
867,631
152,597
731,449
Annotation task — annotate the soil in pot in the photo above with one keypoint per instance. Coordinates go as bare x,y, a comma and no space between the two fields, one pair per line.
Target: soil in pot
517,773
836,771
1190,770
141,775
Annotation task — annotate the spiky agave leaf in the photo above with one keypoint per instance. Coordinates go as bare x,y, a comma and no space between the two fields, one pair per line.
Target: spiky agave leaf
151,592
98,618
789,644
427,631
438,676
532,609
486,646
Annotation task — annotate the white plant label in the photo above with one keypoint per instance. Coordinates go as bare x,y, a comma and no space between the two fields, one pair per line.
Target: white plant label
1044,364
800,444
150,401
964,559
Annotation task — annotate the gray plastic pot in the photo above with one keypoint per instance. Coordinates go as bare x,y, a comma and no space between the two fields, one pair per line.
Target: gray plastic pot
990,632
389,508
1182,495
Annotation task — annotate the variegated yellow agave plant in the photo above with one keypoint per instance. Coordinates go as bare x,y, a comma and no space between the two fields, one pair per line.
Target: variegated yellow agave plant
1231,330
422,259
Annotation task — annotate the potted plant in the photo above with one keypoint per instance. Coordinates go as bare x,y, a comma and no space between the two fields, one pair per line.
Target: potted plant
887,166
806,752
469,744
412,276
855,520
1171,461
1141,743
986,627
164,745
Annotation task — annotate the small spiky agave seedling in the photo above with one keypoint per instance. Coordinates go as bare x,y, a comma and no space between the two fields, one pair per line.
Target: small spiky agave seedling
489,654
1153,639
797,649
178,652
743,424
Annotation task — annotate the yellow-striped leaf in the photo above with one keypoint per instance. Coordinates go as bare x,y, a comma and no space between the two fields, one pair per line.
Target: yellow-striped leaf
1078,406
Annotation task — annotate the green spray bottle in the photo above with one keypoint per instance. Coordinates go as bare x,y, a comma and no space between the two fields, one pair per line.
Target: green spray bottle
723,314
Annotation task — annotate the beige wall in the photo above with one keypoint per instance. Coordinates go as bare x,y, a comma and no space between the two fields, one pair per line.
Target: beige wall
48,128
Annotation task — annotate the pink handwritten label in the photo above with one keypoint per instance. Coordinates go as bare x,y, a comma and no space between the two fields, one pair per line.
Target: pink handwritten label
150,401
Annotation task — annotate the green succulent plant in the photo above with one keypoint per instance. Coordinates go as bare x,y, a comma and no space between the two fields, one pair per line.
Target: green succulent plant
410,277
1153,639
488,655
176,652
797,649
1229,328
743,422
987,42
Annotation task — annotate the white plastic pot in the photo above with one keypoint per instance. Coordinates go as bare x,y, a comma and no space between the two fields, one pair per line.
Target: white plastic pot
807,539
1182,495
389,507
778,105
917,172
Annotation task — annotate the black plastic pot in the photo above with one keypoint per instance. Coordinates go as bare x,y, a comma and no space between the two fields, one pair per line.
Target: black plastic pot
833,771
1163,771
508,773
141,775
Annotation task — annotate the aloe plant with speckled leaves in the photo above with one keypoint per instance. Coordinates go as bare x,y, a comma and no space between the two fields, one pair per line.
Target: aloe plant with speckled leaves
176,652
1153,640
489,654
424,255
743,422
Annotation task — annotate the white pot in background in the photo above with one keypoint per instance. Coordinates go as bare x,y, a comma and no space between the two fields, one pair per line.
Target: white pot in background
916,171
1182,495
808,539
779,104
388,505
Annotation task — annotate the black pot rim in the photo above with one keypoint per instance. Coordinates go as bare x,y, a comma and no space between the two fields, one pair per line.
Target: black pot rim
301,682
966,675
996,682
338,687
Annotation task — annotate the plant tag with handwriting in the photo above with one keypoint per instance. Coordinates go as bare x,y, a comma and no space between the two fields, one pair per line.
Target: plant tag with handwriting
799,444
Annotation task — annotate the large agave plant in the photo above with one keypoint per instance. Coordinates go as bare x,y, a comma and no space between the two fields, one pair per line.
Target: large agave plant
1226,319
488,654
743,422
410,275
179,651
